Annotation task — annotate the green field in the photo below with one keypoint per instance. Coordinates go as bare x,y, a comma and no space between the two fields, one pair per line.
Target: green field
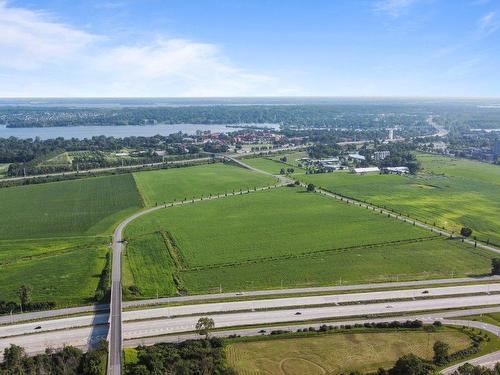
336,353
272,164
185,183
70,208
279,222
448,191
284,237
65,271
3,169
433,259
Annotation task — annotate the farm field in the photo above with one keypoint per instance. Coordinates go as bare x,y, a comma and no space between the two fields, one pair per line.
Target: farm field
179,183
69,208
431,259
268,224
272,164
451,192
283,237
336,353
65,271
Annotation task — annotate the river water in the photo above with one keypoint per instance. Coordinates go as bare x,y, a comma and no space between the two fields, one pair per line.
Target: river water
82,132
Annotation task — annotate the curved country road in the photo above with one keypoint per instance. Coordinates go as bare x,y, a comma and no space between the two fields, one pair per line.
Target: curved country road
115,336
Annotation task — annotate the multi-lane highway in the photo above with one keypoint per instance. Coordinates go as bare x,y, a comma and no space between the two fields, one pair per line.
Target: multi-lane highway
353,299
177,319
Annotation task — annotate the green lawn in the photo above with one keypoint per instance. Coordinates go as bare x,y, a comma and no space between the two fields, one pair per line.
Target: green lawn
180,183
448,191
279,222
268,165
431,259
70,208
65,271
284,237
491,318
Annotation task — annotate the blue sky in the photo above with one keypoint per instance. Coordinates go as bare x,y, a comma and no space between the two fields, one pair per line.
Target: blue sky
249,48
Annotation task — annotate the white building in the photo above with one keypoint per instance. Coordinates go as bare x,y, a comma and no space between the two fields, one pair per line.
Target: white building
366,170
397,170
381,155
356,157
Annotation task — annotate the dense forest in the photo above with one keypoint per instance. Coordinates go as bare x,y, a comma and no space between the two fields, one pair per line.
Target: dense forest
340,116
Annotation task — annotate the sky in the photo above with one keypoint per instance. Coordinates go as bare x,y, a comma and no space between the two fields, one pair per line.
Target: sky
200,48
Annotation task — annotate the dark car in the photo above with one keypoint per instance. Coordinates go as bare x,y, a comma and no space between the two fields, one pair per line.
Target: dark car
425,292
38,327
262,331
298,313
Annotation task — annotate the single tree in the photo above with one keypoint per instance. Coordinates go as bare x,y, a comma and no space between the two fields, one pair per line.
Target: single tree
495,266
204,326
441,350
24,292
311,188
282,171
409,364
465,231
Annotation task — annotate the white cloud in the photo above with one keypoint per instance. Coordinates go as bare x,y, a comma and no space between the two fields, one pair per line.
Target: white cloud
45,57
29,39
489,23
176,66
393,8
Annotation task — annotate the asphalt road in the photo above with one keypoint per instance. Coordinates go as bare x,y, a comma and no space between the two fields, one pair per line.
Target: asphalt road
325,289
266,304
79,337
163,325
115,326
134,329
61,313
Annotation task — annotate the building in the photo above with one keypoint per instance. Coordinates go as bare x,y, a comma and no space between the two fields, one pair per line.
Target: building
397,170
366,170
381,155
496,148
356,157
391,134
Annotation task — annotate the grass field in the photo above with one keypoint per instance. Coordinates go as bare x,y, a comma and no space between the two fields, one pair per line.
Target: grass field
284,237
149,266
336,353
3,169
424,260
180,183
70,208
272,164
448,191
65,271
279,222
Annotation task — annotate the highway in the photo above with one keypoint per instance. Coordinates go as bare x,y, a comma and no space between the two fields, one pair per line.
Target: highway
61,313
155,330
239,306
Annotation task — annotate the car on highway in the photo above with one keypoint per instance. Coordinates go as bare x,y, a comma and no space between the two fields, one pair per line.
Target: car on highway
425,292
38,327
298,313
262,331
